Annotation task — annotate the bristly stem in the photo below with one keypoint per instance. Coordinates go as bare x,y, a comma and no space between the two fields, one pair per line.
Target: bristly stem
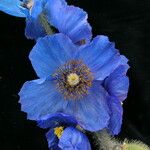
106,142
45,24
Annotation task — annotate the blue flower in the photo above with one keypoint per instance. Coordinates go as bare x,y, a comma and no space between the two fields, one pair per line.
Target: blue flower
117,85
69,20
13,7
63,133
40,14
71,80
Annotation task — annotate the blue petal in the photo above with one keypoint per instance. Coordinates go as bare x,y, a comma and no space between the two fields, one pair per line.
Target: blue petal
39,98
121,69
54,120
69,20
117,84
52,140
101,56
37,8
72,139
33,21
50,52
116,116
92,111
12,7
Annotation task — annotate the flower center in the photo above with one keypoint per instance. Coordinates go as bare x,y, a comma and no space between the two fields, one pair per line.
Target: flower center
58,131
73,79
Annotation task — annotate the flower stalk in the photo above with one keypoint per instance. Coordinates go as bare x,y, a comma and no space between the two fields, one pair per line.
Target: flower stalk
45,24
106,142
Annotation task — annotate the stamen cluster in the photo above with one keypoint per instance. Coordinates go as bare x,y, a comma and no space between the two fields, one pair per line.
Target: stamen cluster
78,69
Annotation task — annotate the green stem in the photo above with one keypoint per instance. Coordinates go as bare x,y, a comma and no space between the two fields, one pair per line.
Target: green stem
106,142
45,24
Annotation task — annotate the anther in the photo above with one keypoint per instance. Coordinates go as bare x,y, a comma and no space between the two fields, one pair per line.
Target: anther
58,131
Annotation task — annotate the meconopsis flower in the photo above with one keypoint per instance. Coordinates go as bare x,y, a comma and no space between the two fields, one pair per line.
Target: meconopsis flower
63,133
71,80
40,14
75,81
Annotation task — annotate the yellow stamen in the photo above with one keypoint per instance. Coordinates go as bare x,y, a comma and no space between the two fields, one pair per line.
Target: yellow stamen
58,131
73,79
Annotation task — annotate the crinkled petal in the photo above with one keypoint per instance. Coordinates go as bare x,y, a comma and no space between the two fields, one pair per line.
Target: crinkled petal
39,98
117,84
101,56
52,140
116,116
12,7
50,52
72,139
54,120
92,111
69,20
121,69
33,21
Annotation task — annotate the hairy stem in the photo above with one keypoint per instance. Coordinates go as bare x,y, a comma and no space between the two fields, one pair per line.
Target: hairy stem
106,142
45,24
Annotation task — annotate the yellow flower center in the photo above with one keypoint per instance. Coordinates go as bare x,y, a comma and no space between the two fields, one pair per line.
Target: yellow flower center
73,79
58,131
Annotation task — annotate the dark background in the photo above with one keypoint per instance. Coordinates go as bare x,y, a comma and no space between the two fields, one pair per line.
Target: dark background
127,22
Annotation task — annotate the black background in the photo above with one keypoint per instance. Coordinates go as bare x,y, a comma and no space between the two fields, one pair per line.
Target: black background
127,22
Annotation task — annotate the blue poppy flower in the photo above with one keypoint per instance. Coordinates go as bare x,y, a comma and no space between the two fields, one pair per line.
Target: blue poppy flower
117,85
13,7
40,14
71,80
69,20
63,133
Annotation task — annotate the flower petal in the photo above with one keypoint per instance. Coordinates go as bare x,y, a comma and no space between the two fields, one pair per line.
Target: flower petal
33,21
92,111
69,20
50,52
54,120
72,139
52,140
101,56
12,7
117,84
116,116
39,98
